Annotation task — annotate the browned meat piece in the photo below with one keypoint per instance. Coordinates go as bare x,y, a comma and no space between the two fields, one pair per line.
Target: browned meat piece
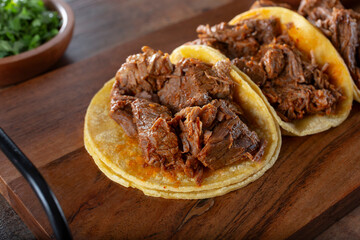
230,141
293,84
208,115
294,101
144,74
182,91
157,139
267,3
223,147
121,111
269,66
193,168
251,68
192,122
260,153
321,10
345,38
195,83
293,68
273,62
216,135
341,26
240,39
191,131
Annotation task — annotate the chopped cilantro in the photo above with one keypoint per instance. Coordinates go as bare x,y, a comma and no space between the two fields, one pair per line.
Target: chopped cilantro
24,25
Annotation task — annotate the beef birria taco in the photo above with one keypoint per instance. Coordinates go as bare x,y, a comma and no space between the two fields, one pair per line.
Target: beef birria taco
187,129
290,64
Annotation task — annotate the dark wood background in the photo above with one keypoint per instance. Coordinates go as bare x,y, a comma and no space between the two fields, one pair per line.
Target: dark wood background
315,181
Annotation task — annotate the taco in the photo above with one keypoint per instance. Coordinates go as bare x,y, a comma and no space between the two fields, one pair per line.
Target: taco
190,129
290,64
342,27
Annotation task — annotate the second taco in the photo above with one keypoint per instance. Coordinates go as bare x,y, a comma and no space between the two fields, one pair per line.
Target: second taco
290,64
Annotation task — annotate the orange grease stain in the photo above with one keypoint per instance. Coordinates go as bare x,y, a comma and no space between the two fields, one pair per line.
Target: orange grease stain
148,171
137,165
171,175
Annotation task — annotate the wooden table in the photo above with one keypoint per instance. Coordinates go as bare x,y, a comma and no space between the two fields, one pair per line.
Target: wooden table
315,181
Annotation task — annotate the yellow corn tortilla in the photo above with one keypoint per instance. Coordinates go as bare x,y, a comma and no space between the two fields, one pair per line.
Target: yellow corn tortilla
307,39
120,158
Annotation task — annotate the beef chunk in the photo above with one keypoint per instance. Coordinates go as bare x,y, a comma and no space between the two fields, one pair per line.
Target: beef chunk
230,140
240,39
216,135
251,68
182,91
121,111
193,121
293,68
293,84
144,74
273,62
195,83
294,102
345,38
221,149
157,138
341,26
318,12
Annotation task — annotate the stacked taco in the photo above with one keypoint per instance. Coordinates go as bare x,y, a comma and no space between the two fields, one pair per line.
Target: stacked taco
206,119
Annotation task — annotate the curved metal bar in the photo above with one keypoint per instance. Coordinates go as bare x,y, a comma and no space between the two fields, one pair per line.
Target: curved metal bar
38,184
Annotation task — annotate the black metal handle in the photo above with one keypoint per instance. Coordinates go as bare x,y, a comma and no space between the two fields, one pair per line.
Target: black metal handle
38,184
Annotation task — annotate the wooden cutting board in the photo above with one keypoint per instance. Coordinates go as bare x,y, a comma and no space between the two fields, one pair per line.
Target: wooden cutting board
315,181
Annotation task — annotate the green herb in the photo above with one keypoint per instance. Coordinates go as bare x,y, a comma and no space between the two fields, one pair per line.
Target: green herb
24,25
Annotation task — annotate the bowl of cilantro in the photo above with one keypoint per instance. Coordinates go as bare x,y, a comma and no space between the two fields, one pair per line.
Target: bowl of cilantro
34,34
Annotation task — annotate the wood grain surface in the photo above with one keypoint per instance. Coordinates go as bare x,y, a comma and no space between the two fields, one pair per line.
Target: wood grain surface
106,23
315,181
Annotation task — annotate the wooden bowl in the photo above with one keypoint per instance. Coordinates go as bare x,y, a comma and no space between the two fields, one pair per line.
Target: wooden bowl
17,68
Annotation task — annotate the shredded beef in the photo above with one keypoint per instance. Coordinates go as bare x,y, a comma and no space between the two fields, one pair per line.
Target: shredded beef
215,134
121,111
144,74
241,39
183,116
195,83
292,81
230,140
155,134
341,26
